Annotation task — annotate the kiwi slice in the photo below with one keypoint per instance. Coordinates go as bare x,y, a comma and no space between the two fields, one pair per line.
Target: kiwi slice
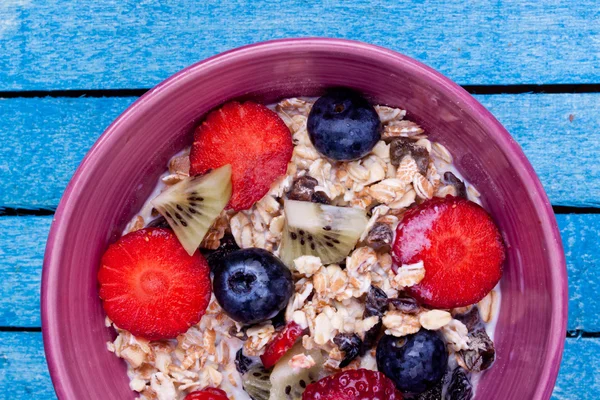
320,230
192,205
289,382
257,383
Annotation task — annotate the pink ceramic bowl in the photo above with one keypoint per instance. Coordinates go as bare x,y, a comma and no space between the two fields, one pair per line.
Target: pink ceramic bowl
121,169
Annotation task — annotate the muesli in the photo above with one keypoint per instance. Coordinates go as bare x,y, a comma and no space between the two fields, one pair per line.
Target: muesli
316,249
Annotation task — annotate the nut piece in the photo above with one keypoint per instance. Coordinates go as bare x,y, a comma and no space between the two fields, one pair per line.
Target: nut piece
302,361
456,335
408,275
307,265
399,324
486,306
435,319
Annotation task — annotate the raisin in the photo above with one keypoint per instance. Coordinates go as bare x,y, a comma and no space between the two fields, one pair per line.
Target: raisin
459,186
303,188
350,344
228,245
320,197
401,147
471,319
460,387
380,236
405,304
159,222
435,393
370,337
481,352
376,302
242,363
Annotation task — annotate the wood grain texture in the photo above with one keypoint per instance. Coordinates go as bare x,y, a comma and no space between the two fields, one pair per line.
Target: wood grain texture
23,365
130,44
47,138
23,370
22,244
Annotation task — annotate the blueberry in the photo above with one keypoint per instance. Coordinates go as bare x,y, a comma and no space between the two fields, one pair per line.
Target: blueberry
415,363
252,285
342,125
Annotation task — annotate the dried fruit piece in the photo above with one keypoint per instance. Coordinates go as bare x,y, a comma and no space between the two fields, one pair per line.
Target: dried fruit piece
461,249
281,344
303,188
359,384
151,286
460,387
481,352
250,137
435,393
402,147
350,344
380,236
376,304
242,363
459,186
405,303
227,246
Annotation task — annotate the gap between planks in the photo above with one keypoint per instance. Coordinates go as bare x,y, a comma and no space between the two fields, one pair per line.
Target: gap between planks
472,89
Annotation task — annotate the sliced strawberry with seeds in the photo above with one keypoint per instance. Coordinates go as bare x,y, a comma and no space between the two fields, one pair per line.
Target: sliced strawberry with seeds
250,137
461,249
207,394
151,286
358,384
281,344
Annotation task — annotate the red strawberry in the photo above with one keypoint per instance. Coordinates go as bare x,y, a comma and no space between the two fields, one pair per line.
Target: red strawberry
281,344
358,384
207,394
461,249
250,137
151,286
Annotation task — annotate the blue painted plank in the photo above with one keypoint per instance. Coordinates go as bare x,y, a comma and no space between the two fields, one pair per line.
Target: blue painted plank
22,241
44,141
88,44
581,241
23,371
46,138
22,245
25,376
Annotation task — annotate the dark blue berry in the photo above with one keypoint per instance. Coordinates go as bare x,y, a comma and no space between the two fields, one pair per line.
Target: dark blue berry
415,363
343,125
252,285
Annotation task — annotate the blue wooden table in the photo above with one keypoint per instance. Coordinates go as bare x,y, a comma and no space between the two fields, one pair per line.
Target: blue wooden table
68,68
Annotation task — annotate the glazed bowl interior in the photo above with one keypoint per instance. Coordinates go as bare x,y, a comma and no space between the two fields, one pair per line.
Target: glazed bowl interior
120,171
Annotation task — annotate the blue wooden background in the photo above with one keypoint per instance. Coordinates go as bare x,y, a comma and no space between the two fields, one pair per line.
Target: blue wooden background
68,68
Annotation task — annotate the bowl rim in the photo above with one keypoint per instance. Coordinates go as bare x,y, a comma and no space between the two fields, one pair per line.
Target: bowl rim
511,149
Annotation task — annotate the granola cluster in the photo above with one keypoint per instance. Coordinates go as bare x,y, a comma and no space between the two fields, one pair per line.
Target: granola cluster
329,301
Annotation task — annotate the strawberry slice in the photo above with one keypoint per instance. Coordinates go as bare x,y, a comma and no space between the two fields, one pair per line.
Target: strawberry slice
461,249
358,384
151,286
250,137
207,394
281,344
